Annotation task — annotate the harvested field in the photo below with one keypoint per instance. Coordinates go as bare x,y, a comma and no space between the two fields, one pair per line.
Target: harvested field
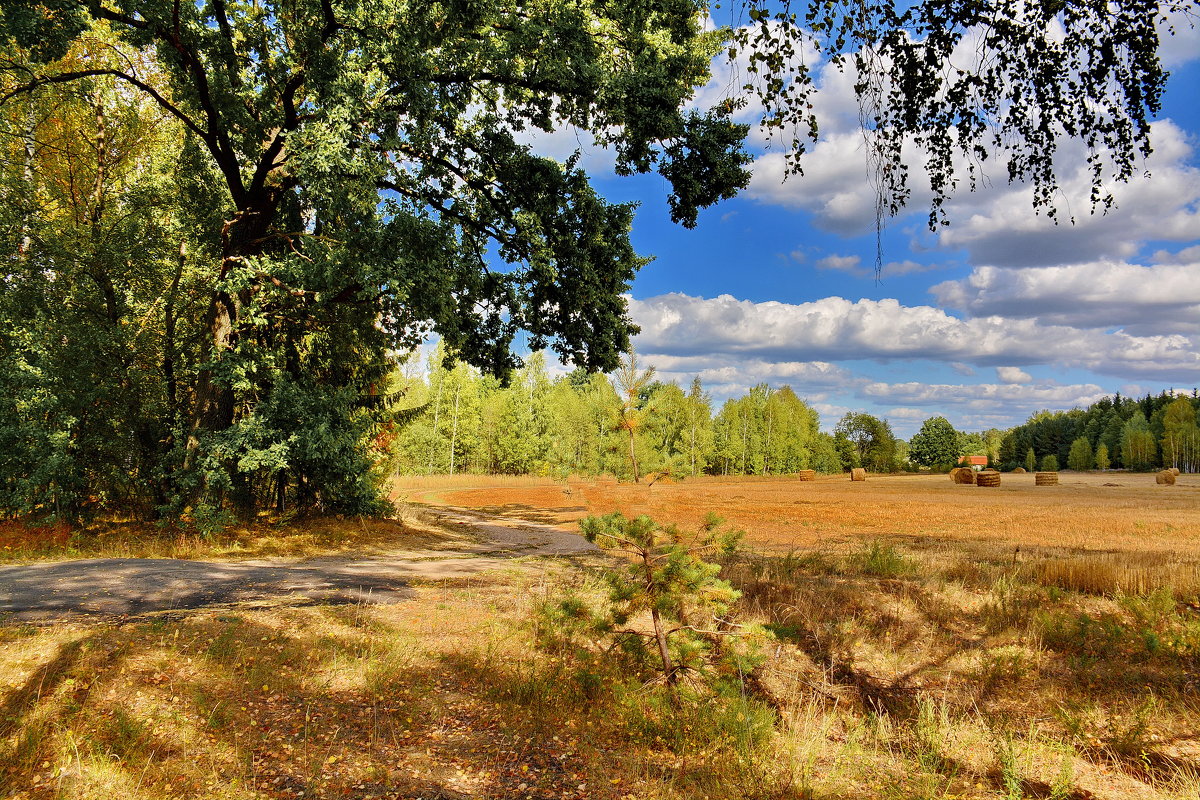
1110,511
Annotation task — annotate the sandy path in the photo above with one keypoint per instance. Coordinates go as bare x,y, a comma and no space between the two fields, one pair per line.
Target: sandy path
118,587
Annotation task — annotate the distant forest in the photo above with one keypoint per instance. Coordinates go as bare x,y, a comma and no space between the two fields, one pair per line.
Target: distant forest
1151,433
630,424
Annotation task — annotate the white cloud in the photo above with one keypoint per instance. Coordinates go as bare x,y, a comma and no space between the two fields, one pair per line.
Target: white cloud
907,413
851,264
727,376
1144,300
1188,255
1180,39
980,406
1013,375
836,329
906,267
996,224
561,144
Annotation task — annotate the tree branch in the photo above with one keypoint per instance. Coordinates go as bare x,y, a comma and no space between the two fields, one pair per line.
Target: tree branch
67,77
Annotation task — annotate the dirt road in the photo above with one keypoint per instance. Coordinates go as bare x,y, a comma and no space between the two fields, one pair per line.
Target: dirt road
119,587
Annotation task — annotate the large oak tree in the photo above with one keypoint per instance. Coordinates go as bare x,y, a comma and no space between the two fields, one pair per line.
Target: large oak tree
357,175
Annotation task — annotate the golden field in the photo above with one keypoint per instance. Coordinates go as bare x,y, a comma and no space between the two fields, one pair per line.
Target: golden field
929,642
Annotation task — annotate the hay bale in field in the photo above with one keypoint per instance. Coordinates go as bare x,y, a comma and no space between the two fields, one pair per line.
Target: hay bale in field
1165,478
1175,471
1019,471
807,474
988,478
1045,479
964,475
858,474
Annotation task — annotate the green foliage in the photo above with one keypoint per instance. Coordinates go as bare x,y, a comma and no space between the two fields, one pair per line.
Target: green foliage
1130,430
1030,460
1049,463
866,441
358,186
1181,436
881,561
213,210
1138,446
936,444
1102,461
667,611
766,432
1080,458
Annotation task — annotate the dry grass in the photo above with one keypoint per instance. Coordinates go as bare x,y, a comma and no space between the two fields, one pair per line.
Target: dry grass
20,542
1087,512
911,660
889,678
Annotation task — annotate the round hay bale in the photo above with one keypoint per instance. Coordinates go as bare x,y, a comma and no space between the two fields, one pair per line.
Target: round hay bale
858,474
963,475
1019,471
1045,479
807,474
1165,478
988,478
1175,471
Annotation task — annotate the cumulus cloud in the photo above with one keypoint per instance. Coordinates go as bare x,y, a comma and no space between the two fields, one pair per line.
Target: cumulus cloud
906,267
561,144
836,329
1188,255
997,223
919,414
979,406
1144,300
1013,375
851,264
1180,39
726,376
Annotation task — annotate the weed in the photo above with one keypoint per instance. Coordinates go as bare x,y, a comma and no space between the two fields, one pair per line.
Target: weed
126,736
929,742
1128,737
999,666
224,644
1012,603
1063,787
881,560
1008,760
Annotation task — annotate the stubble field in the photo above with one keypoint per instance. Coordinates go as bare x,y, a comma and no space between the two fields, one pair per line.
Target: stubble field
927,641
1087,512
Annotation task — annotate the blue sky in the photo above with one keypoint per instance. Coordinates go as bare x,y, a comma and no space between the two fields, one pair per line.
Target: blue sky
987,321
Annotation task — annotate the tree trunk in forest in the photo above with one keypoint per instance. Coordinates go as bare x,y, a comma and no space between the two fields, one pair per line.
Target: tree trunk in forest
454,428
242,237
633,457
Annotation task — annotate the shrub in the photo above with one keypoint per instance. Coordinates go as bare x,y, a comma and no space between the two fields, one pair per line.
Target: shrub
1050,463
667,610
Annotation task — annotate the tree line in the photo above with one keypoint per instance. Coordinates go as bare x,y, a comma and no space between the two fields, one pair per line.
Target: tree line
1154,432
630,424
